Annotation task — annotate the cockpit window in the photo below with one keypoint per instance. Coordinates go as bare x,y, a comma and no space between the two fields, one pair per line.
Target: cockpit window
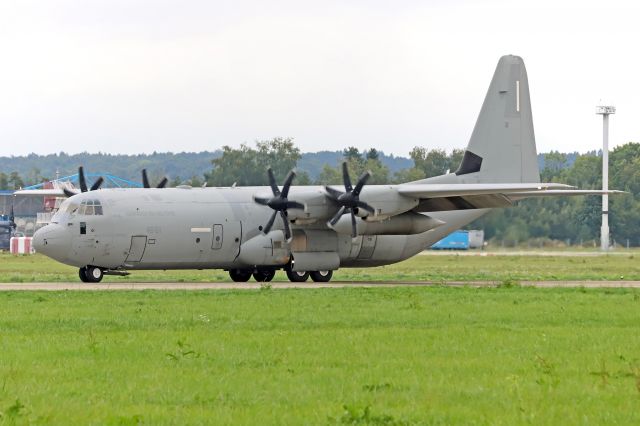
90,208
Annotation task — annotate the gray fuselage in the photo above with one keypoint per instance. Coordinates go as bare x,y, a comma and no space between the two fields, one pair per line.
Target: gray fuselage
208,228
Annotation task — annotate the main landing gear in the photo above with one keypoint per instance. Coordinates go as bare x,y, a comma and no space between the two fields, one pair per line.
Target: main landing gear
266,275
90,274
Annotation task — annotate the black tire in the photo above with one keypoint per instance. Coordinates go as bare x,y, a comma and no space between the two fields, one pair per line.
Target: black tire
321,276
239,275
264,275
297,276
94,274
82,273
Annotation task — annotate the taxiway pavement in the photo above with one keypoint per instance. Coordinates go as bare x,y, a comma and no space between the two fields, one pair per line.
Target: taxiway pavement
136,286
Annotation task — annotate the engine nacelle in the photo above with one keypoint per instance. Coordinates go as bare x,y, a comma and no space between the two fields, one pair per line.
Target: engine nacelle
404,224
271,249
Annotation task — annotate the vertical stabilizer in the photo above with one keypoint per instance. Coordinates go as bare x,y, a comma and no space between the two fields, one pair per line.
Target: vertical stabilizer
502,147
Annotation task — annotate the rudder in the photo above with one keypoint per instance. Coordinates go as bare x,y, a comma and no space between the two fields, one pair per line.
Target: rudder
502,147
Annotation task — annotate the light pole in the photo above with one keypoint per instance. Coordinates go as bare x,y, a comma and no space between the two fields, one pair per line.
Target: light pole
604,230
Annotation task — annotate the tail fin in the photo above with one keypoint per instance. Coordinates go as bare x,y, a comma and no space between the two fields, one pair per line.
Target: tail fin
502,147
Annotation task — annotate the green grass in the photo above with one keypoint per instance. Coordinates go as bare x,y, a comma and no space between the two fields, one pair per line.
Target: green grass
435,355
436,268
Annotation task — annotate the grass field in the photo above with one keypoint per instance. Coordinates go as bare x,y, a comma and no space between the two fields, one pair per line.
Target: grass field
452,267
385,356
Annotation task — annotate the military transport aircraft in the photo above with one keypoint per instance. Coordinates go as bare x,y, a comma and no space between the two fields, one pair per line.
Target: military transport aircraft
309,231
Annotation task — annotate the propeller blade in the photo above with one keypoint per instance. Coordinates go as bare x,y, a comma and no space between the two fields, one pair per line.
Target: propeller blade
162,183
12,219
145,179
295,205
365,206
68,193
97,184
83,182
272,182
287,183
260,200
361,181
337,216
267,228
354,228
333,193
285,221
345,177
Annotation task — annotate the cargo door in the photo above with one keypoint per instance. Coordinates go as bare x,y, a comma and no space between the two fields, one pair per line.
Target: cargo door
136,251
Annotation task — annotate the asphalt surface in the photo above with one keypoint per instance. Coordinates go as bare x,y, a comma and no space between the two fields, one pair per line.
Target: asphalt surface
78,286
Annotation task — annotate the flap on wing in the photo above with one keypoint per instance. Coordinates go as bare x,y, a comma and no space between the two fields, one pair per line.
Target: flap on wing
425,190
466,202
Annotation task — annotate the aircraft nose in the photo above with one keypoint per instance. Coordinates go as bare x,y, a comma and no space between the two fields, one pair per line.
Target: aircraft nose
52,240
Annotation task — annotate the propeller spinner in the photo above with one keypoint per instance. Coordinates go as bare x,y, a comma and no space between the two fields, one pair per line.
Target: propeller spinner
349,200
279,202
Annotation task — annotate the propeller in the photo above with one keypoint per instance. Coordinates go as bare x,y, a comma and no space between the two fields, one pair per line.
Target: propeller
83,184
146,184
12,219
349,200
279,202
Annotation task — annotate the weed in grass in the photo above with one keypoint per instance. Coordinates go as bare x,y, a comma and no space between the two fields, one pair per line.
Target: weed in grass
184,352
356,416
265,286
377,387
508,283
603,373
15,410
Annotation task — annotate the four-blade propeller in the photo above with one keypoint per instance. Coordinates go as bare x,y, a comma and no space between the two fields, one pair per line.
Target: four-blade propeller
12,220
146,184
279,202
83,184
349,200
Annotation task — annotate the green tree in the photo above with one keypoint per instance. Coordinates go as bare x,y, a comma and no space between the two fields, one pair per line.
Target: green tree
247,166
15,181
4,181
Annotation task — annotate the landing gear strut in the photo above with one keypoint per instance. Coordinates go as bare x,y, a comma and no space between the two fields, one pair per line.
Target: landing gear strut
90,274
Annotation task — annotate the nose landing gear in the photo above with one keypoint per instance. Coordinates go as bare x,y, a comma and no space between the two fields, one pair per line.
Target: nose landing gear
90,274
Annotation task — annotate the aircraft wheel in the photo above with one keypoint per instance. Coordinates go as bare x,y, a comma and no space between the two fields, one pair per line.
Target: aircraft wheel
94,274
82,273
264,275
297,276
321,276
239,275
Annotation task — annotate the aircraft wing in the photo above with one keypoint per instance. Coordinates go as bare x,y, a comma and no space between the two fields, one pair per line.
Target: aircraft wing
457,190
40,193
562,193
446,197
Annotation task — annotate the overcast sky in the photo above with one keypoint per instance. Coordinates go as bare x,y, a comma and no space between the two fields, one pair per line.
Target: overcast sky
128,76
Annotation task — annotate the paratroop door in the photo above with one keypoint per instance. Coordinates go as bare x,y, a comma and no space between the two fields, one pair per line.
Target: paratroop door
136,251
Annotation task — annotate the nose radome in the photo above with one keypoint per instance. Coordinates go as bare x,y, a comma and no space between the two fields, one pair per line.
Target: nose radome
38,240
53,240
